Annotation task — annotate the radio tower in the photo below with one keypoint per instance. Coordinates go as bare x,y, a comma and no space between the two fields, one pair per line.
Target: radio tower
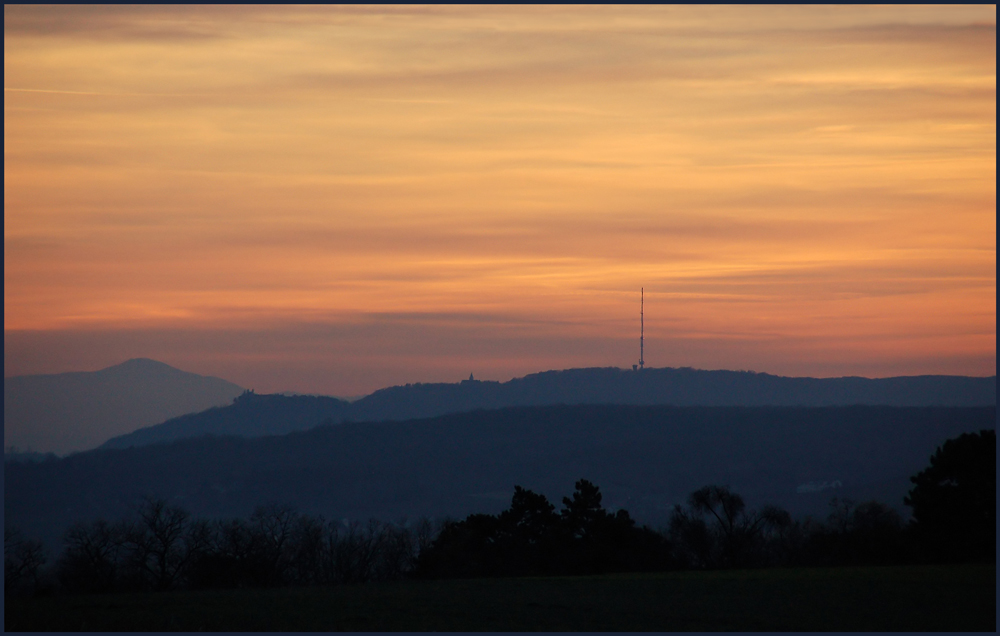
642,325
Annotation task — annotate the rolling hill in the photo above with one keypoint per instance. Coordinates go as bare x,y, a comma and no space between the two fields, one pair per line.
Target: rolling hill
257,415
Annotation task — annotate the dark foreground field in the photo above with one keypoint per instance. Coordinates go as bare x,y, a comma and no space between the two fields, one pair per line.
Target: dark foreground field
910,598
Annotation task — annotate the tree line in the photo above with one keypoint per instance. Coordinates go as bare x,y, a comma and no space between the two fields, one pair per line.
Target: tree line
161,547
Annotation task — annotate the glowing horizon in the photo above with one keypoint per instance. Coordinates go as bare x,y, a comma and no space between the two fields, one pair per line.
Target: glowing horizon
337,199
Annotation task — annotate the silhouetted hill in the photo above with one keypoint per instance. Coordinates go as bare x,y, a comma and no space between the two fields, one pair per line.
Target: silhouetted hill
644,458
679,387
68,412
575,386
250,415
27,456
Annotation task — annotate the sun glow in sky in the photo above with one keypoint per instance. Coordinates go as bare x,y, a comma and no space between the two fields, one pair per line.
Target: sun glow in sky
338,199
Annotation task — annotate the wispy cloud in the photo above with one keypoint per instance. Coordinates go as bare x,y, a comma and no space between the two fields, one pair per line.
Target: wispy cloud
805,174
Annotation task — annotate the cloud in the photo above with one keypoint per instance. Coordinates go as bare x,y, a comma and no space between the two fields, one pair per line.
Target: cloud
114,23
804,175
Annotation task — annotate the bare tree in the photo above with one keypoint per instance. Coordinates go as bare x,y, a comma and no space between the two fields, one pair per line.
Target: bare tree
161,543
693,542
396,554
737,534
92,558
22,558
353,551
271,527
306,550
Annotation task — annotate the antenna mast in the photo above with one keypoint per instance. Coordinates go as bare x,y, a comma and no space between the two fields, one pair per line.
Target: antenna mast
642,325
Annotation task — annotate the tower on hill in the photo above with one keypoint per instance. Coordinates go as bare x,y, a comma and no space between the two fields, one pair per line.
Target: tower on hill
642,329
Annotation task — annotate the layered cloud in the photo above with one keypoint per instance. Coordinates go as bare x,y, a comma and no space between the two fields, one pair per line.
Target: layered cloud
808,175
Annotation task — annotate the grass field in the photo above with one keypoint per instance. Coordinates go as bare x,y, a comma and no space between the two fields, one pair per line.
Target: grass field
910,598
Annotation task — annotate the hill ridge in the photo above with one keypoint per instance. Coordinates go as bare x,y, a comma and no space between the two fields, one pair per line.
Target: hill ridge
594,385
78,410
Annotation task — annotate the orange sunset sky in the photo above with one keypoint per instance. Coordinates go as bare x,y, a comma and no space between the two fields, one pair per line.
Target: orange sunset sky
334,200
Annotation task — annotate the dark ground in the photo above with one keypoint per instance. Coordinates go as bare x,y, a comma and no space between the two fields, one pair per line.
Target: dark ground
905,598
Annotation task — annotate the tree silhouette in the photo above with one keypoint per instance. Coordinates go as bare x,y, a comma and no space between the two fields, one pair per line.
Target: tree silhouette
92,558
583,512
462,549
161,543
598,541
529,538
528,533
718,531
271,528
857,534
22,558
954,499
530,515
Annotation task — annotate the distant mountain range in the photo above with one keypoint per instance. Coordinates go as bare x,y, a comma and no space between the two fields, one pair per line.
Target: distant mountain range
644,458
255,415
68,412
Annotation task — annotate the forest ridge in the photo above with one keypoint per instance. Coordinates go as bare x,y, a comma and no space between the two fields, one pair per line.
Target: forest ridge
254,415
